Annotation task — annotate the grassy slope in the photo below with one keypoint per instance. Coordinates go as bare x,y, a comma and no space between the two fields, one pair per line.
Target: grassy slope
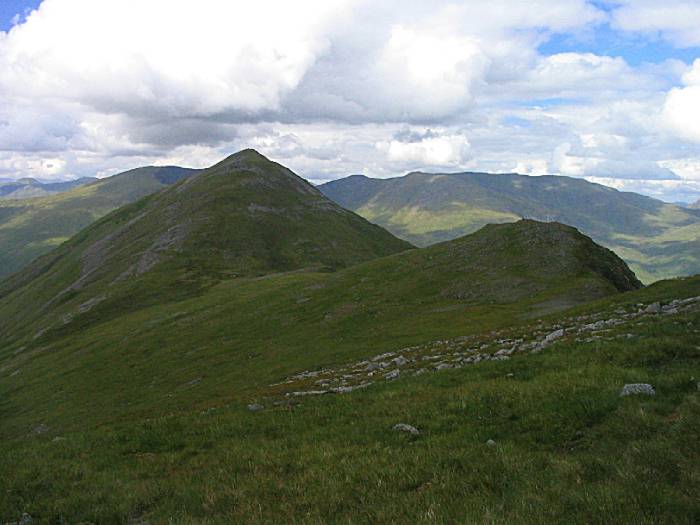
248,332
245,216
658,240
127,387
568,448
32,227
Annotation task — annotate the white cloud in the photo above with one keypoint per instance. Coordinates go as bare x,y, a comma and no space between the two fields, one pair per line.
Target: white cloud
427,149
675,20
166,58
338,86
682,108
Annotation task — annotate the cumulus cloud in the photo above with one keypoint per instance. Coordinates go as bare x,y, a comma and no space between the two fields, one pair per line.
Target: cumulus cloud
426,149
674,20
342,86
682,108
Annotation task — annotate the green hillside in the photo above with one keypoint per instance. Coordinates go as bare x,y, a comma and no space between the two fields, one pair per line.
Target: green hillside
246,372
656,239
246,216
32,227
143,416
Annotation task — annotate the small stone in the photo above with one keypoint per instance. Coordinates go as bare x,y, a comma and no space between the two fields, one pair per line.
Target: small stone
255,407
41,429
653,308
670,311
553,336
491,443
394,374
400,361
403,427
638,389
307,393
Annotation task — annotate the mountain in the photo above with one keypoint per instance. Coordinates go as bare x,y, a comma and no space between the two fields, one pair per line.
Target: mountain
31,227
695,205
245,216
28,188
657,240
126,315
238,348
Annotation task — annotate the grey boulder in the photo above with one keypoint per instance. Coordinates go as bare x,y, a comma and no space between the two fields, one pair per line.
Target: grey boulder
634,389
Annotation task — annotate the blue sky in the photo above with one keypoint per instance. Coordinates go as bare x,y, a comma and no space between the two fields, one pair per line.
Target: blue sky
10,8
607,90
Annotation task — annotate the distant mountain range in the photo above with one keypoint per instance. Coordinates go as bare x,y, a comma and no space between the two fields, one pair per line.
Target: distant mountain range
658,240
32,227
28,188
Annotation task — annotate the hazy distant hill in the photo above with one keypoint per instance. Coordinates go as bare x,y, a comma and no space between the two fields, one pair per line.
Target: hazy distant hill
27,188
657,240
32,227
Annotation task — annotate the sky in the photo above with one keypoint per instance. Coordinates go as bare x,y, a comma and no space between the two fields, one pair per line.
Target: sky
606,90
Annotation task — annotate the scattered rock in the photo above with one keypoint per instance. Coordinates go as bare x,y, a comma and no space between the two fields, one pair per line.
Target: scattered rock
491,443
638,389
403,427
394,374
553,337
40,429
348,389
308,393
255,407
653,308
400,361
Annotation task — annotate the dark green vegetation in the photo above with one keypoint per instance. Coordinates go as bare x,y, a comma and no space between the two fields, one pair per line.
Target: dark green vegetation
28,187
124,398
656,239
34,226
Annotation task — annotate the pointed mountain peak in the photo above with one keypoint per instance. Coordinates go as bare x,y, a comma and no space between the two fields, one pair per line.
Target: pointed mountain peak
244,157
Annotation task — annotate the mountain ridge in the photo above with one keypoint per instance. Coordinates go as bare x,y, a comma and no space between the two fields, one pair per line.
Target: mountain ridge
658,239
244,216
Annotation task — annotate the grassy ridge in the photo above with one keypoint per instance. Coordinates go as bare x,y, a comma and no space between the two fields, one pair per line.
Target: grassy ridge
248,332
567,447
124,399
656,239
